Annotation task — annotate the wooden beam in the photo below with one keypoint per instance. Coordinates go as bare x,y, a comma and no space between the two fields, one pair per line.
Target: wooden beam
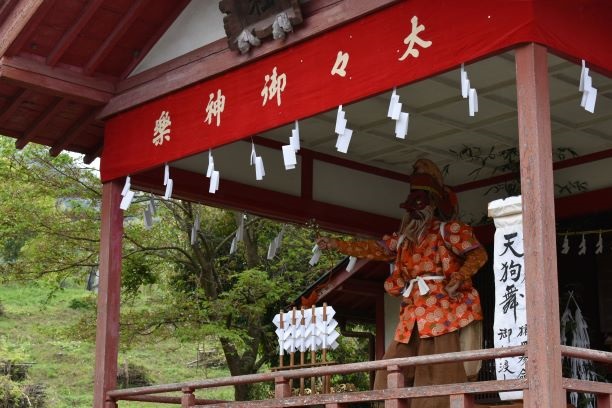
216,58
161,29
20,16
114,37
68,38
73,132
6,8
28,73
95,153
361,287
535,148
14,104
561,164
56,106
107,330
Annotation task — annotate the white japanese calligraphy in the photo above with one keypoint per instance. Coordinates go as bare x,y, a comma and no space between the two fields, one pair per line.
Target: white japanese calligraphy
276,85
339,67
413,38
162,129
215,107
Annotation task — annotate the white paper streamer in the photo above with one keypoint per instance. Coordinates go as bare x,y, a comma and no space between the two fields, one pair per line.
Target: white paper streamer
294,140
126,186
351,263
401,126
565,247
169,186
465,83
260,172
302,333
211,165
582,247
340,121
152,206
473,102
289,157
344,140
589,93
166,174
599,245
316,255
148,218
126,200
214,182
194,235
233,246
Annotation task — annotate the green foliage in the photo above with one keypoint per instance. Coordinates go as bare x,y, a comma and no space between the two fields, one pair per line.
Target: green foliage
132,375
36,330
171,288
505,161
87,302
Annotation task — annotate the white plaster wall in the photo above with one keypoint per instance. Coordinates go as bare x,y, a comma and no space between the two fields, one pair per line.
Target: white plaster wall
392,307
199,24
359,190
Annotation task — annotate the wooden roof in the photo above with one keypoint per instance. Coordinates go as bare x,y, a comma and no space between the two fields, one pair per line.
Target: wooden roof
61,61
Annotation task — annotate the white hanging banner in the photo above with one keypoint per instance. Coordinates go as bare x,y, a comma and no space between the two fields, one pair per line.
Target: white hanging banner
510,324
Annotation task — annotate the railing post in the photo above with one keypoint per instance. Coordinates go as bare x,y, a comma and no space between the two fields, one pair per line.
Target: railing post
395,379
281,387
604,401
110,403
461,401
188,398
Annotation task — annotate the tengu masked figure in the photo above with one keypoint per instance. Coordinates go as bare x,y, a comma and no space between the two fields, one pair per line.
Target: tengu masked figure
435,258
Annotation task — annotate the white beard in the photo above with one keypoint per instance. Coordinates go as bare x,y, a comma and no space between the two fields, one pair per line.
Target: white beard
414,229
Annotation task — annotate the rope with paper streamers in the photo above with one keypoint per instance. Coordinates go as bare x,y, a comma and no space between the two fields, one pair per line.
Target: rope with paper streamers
582,246
307,330
574,332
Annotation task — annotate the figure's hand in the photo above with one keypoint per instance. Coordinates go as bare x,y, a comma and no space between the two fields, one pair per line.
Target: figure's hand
325,243
451,288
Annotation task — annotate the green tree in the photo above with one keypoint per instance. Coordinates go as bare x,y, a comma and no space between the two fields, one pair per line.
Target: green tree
50,212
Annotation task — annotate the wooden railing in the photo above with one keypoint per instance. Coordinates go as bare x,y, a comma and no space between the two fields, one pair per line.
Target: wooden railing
461,395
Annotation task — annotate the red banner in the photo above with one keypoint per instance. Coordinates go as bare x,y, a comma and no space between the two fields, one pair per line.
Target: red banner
409,41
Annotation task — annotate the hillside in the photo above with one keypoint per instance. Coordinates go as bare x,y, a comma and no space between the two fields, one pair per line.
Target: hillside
33,328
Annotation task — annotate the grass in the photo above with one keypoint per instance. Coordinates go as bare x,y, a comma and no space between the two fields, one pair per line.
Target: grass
31,330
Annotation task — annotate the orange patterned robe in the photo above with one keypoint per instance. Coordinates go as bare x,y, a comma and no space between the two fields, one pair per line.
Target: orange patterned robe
440,253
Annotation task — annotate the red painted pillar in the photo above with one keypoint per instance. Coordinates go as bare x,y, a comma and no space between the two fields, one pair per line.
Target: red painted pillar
107,334
535,146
